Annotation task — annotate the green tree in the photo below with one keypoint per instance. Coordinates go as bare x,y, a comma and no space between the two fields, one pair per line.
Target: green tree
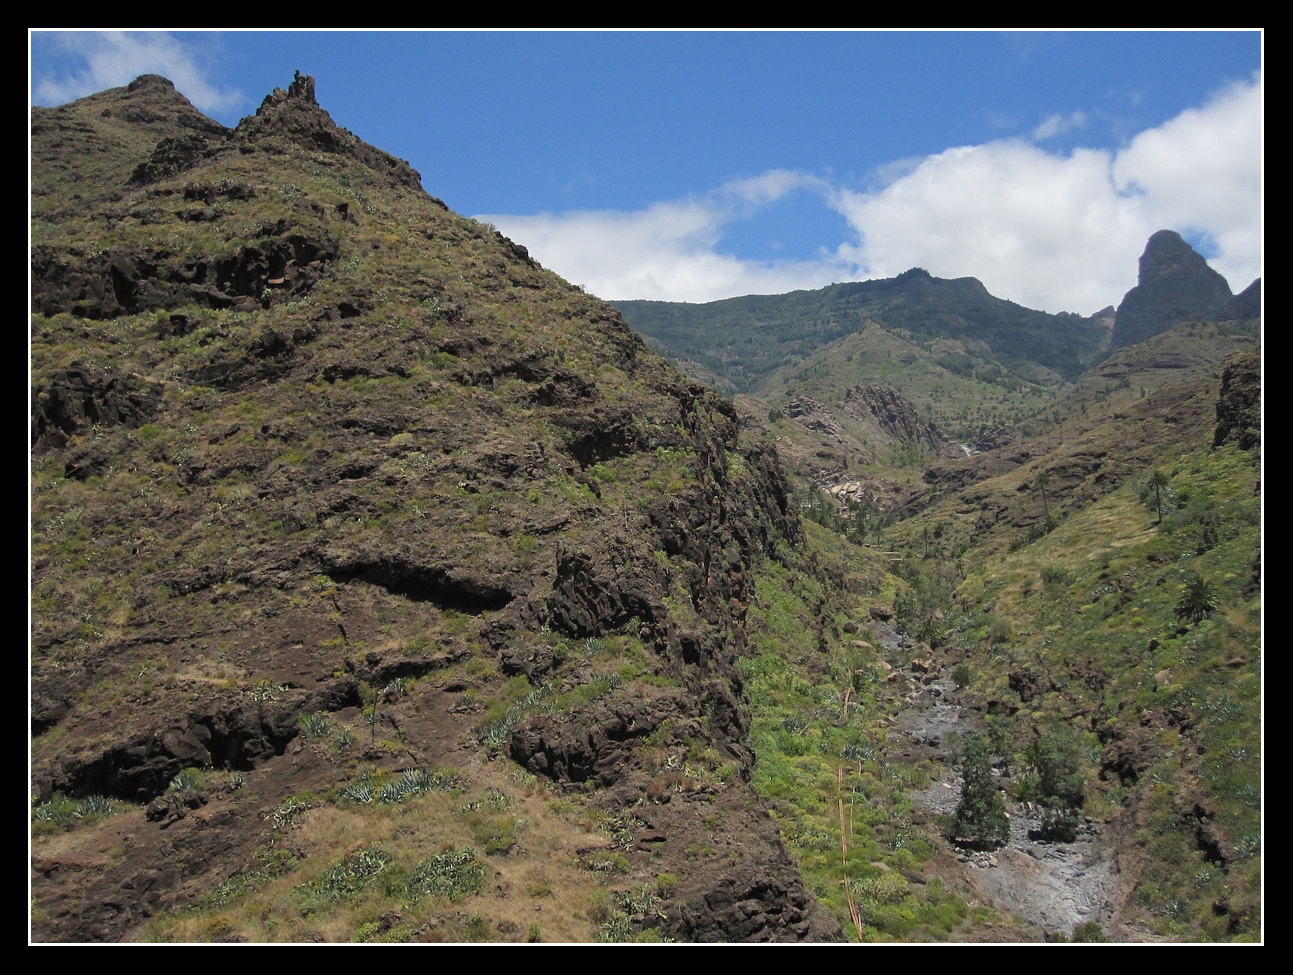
1198,601
1059,767
929,631
905,607
981,819
1061,784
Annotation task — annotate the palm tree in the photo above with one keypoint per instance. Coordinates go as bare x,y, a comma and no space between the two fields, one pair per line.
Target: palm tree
1198,602
1044,478
1158,481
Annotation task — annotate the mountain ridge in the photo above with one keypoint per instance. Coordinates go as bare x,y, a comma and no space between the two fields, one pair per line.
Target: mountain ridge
1029,342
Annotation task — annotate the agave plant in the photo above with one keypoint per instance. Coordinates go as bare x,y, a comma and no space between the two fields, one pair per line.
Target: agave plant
794,724
400,685
416,781
287,814
57,810
362,793
315,725
496,736
860,752
493,799
185,780
94,805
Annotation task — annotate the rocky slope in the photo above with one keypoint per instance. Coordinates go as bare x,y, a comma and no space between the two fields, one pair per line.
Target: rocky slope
309,450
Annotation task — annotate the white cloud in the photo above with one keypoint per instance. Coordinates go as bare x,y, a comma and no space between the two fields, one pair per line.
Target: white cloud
667,251
1046,231
1058,124
115,58
1051,231
1201,171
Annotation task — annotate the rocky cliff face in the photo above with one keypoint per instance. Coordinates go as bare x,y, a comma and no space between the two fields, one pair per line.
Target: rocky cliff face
894,415
1176,285
300,432
1239,407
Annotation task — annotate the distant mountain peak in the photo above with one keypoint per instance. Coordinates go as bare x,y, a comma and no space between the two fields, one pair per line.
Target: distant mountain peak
1175,285
1167,253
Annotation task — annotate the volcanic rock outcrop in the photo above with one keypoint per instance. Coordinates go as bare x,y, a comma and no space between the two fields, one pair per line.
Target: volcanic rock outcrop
1176,285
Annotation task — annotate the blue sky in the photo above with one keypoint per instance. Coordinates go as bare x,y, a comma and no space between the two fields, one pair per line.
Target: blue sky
694,166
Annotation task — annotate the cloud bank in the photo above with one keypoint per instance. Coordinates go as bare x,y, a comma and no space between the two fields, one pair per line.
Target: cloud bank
1060,232
115,58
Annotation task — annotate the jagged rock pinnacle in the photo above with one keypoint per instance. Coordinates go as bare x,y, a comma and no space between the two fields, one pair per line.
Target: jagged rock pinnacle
1175,286
302,87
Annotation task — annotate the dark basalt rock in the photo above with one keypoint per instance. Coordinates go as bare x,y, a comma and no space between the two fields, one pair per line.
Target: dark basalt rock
1175,285
896,416
140,768
78,398
591,745
105,286
1239,407
295,115
173,156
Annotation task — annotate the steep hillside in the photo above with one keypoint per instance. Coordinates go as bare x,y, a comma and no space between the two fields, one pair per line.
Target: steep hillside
1073,621
1052,589
384,585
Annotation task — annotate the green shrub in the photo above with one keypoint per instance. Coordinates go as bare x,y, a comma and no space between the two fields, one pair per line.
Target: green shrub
1055,576
1090,932
607,861
453,875
1198,601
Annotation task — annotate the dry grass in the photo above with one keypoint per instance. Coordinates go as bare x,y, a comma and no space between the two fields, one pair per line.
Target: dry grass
538,882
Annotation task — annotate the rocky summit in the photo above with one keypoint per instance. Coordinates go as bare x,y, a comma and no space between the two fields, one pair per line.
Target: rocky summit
1176,285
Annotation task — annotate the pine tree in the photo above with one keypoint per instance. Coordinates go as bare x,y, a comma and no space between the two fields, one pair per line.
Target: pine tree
980,815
